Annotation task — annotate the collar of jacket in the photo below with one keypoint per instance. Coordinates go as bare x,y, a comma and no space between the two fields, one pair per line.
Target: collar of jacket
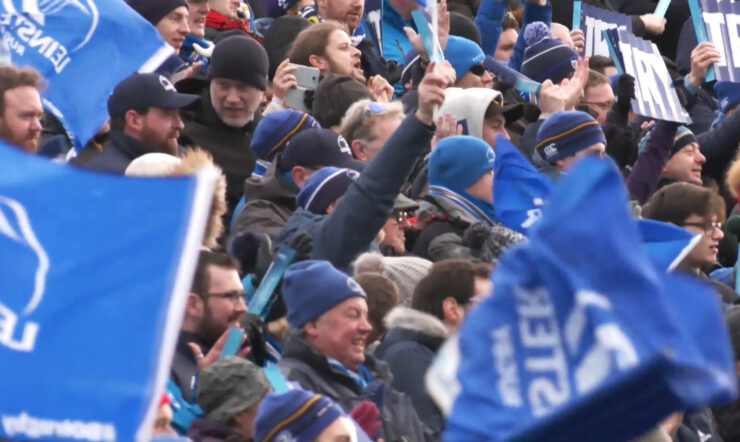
130,147
297,348
415,320
185,337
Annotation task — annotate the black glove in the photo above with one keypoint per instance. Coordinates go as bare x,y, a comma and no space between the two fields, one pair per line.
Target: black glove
256,332
681,92
263,260
625,93
302,243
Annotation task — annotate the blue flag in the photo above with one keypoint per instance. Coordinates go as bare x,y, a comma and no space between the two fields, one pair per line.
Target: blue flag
83,48
94,273
665,245
583,339
519,191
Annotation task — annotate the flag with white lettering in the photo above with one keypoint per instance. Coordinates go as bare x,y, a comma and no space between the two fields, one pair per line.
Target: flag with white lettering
94,275
722,21
82,48
665,245
594,21
583,339
372,21
519,191
655,95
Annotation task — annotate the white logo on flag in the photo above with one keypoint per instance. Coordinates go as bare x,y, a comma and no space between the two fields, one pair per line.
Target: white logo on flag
15,226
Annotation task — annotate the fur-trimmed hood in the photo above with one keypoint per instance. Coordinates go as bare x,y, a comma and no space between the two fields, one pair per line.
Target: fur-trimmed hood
415,320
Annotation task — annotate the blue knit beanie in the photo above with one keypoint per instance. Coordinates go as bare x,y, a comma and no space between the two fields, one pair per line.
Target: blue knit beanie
728,95
276,128
546,57
458,162
565,133
295,415
462,54
324,187
311,288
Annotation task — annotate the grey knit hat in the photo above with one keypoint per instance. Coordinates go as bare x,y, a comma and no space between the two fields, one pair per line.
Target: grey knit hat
404,271
230,386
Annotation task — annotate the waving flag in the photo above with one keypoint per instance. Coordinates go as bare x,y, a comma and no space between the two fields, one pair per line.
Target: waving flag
664,244
519,191
94,273
83,48
583,339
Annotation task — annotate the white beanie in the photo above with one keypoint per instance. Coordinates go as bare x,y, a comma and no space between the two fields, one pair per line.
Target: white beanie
404,271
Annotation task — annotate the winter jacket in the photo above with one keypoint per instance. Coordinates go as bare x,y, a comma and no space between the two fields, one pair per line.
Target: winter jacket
118,153
701,106
442,238
395,42
529,139
184,366
408,348
368,202
303,364
719,146
487,243
230,146
698,427
204,430
270,201
648,169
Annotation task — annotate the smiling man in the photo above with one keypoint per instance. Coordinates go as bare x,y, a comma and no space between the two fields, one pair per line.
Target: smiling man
197,19
170,17
325,352
237,79
686,160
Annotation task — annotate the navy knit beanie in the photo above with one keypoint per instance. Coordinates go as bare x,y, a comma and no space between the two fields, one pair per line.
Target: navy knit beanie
728,95
546,57
683,137
458,162
295,415
276,128
155,10
311,288
324,187
565,133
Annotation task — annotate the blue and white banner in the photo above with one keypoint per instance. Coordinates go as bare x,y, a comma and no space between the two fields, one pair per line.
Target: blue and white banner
83,48
655,94
372,21
665,245
593,22
722,21
569,348
519,191
94,275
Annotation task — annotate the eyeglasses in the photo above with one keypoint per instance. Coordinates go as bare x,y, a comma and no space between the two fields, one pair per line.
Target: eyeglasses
234,296
478,70
606,105
707,226
402,216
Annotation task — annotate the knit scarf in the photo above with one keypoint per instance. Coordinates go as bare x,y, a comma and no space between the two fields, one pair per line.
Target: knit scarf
474,209
222,23
361,377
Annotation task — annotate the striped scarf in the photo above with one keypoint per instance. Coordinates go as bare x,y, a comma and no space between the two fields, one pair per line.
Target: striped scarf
473,209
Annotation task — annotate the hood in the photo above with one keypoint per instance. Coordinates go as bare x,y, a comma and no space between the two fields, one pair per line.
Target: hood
271,186
468,105
415,320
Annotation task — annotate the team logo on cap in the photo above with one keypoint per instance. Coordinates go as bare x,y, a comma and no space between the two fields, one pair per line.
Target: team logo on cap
343,145
284,436
353,174
550,150
574,64
490,156
17,233
354,286
29,19
166,84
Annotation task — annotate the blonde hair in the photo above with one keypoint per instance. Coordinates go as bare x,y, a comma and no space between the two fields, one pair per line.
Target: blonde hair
358,122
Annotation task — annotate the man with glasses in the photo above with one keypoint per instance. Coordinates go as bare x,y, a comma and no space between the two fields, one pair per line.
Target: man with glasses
215,303
598,95
394,230
466,58
700,211
367,125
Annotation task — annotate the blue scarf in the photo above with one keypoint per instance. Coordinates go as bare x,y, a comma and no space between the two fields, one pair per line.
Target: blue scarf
361,377
475,208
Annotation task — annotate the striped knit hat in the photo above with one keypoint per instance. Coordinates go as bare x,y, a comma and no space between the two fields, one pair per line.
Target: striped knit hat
324,187
295,415
565,133
684,137
276,128
546,57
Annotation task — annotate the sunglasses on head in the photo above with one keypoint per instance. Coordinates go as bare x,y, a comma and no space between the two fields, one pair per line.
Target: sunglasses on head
373,107
477,69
